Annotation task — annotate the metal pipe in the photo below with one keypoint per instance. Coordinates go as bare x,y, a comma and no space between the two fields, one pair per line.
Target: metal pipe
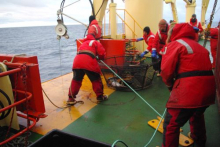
10,72
18,102
21,132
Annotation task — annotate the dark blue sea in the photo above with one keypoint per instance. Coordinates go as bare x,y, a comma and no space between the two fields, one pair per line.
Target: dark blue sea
55,57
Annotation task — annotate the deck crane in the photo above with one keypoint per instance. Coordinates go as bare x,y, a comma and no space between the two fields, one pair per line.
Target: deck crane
205,4
190,9
174,10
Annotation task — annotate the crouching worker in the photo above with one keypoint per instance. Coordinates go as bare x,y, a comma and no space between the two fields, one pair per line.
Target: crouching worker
187,71
86,62
148,37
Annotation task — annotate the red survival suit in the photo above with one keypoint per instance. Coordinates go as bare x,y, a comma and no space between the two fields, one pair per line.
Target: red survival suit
95,29
149,40
158,44
86,61
186,68
198,25
214,43
160,40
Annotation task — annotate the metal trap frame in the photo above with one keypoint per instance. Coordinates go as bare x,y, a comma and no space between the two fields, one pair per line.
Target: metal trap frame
137,72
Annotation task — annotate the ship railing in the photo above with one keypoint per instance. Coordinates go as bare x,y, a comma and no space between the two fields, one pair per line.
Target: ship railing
27,97
124,23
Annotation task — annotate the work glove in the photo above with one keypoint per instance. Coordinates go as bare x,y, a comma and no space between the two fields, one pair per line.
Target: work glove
154,54
196,29
139,39
170,88
142,54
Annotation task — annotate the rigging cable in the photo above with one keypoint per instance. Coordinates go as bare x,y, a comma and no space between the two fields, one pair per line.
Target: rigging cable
94,13
210,23
61,9
162,116
100,7
131,88
215,12
81,102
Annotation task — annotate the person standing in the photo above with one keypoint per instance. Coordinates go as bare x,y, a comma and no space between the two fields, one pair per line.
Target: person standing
214,43
193,22
159,43
94,28
187,72
86,62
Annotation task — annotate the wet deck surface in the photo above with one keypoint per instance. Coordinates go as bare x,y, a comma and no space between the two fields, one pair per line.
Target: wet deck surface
124,116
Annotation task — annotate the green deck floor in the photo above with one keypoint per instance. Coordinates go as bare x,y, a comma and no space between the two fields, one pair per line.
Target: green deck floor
124,116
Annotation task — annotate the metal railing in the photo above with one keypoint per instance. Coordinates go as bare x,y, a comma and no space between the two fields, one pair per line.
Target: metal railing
124,23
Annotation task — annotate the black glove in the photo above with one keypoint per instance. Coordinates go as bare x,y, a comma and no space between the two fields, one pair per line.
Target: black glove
170,88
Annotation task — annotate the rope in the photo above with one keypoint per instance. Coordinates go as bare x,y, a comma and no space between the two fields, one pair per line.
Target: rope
142,99
52,101
61,73
131,88
117,142
18,141
81,102
156,128
62,84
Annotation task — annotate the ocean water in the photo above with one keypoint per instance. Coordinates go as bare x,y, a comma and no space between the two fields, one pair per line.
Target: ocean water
55,57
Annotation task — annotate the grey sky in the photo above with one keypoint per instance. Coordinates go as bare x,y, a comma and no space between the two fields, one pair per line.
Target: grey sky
16,13
180,4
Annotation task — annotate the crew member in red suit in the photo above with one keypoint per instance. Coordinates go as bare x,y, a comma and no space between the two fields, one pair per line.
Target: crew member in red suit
193,22
214,42
94,28
159,43
86,62
148,37
187,71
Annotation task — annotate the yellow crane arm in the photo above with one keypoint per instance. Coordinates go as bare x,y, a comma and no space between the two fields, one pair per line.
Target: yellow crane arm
100,6
190,8
205,4
174,10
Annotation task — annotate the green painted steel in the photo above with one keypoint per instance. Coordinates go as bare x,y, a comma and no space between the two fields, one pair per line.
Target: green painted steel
124,116
34,136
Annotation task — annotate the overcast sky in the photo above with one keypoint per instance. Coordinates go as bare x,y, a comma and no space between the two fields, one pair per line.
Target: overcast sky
19,13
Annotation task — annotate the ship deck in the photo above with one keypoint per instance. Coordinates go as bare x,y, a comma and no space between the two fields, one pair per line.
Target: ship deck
124,116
